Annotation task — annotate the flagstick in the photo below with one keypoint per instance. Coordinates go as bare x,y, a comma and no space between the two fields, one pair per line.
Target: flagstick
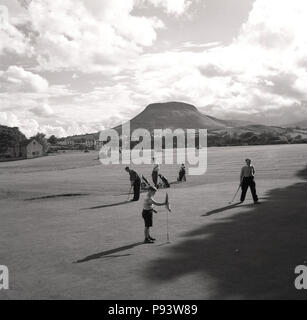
167,227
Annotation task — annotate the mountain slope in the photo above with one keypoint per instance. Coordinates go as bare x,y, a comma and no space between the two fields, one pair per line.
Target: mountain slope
178,115
256,135
173,115
227,122
234,123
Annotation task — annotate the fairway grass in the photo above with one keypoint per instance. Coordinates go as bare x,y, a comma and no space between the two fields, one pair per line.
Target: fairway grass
67,232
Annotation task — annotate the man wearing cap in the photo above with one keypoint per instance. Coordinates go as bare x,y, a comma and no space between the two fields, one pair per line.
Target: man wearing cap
135,183
247,180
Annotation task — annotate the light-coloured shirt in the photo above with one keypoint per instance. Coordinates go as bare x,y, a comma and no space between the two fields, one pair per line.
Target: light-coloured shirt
247,171
148,203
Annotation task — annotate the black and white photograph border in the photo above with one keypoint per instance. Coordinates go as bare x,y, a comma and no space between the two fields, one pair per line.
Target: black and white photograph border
153,150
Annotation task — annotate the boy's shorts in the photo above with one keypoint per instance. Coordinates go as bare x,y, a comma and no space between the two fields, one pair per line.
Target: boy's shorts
147,216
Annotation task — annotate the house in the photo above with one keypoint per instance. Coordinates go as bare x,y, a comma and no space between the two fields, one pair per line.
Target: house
31,149
85,141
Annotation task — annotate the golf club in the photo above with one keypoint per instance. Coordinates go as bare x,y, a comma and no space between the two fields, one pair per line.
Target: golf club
235,195
168,210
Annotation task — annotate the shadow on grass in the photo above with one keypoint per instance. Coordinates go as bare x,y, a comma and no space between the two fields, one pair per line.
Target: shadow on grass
110,253
110,205
65,195
232,206
249,255
117,256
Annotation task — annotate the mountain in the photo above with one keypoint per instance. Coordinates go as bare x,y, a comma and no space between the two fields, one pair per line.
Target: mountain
256,129
233,123
173,115
227,122
178,115
256,135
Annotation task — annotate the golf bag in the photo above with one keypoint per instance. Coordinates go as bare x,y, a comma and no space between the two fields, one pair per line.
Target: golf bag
145,183
165,183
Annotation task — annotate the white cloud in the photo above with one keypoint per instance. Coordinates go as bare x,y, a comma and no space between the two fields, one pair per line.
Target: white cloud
89,36
11,39
16,79
176,7
261,74
43,110
263,71
30,126
27,126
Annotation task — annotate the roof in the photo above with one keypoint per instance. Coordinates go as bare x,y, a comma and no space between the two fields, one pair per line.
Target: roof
27,142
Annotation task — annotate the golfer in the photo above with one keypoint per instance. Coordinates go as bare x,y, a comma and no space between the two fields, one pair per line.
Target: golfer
148,210
247,180
182,176
135,183
155,173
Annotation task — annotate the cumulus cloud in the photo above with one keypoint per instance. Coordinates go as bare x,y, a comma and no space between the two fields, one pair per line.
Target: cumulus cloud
17,79
28,126
84,35
11,39
43,111
176,7
261,74
89,36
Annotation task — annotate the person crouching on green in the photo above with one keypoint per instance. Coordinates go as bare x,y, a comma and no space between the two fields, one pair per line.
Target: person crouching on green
148,210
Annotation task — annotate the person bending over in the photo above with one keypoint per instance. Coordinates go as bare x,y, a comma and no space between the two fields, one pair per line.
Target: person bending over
135,181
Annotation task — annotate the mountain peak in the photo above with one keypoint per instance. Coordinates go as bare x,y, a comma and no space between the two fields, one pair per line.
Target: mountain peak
172,115
172,105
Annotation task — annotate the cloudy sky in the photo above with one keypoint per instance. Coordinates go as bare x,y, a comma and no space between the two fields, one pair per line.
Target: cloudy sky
77,66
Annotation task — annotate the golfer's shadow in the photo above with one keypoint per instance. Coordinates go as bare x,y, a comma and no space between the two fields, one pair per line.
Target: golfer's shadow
110,253
110,205
219,210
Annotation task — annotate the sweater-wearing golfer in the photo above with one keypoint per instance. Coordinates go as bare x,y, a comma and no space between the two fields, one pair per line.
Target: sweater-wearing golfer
247,180
135,183
148,210
155,173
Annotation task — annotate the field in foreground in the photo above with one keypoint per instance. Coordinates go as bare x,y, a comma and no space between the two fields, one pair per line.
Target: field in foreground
67,232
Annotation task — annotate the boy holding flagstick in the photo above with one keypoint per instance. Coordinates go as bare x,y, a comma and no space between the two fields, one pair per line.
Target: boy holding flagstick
148,210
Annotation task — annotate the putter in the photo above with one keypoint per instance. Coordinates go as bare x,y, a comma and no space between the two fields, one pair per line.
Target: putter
235,195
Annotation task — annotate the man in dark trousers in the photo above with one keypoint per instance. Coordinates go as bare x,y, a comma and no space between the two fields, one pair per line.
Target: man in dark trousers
182,176
247,180
155,173
135,183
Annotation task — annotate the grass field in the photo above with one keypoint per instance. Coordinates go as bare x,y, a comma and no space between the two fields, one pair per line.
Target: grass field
66,231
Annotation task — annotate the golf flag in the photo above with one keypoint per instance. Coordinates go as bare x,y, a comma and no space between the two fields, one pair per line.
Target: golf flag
167,204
